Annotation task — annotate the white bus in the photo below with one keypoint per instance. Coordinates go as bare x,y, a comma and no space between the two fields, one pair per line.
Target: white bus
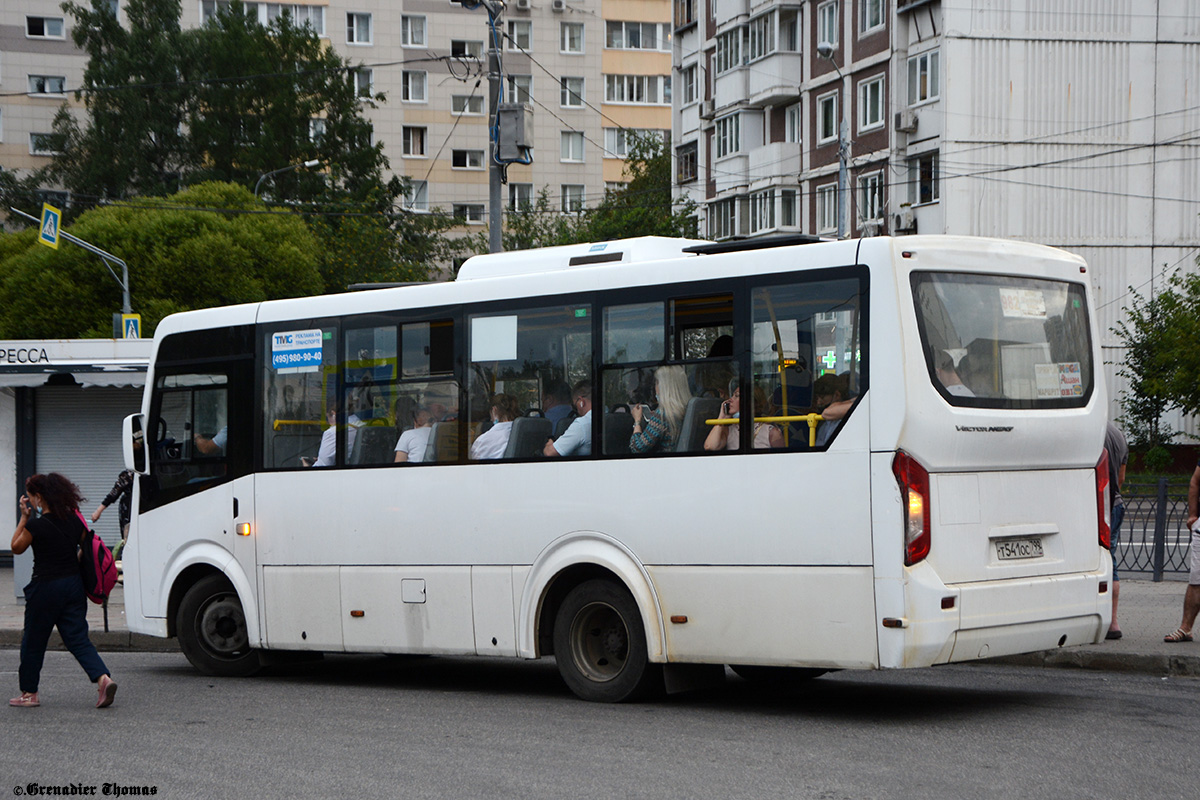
951,507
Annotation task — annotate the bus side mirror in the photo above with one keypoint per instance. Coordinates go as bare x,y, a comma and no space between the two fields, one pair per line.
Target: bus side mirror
133,442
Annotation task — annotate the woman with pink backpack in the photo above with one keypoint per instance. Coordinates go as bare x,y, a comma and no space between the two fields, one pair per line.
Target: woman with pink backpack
55,596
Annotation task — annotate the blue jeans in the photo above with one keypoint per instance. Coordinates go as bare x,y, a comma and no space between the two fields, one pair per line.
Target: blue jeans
62,603
1118,514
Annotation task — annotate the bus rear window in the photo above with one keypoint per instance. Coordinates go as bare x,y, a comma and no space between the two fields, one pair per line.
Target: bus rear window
995,341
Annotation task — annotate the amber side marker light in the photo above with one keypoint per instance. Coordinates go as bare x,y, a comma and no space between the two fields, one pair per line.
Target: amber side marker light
358,613
679,619
242,529
892,622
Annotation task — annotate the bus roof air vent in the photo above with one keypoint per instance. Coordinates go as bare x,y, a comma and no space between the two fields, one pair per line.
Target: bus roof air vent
569,256
740,245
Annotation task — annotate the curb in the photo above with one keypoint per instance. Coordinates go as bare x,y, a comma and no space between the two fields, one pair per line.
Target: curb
108,642
1162,665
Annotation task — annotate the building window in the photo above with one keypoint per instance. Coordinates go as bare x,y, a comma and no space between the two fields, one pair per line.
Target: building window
870,15
615,187
417,196
685,12
571,146
791,123
789,30
827,210
870,196
460,48
727,138
466,159
571,94
520,196
787,208
46,84
722,219
412,140
762,211
44,27
520,87
760,36
572,198
470,213
520,34
412,31
466,104
827,118
363,82
827,23
870,104
412,86
316,130
923,179
313,16
619,141
358,28
729,50
637,89
687,77
636,36
570,37
41,144
923,78
687,164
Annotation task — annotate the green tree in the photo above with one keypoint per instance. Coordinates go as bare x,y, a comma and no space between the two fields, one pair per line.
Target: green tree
644,206
179,257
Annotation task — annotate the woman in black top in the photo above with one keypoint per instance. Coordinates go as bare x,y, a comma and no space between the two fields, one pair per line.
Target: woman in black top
55,596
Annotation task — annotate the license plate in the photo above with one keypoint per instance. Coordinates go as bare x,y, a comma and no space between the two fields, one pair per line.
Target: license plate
1010,549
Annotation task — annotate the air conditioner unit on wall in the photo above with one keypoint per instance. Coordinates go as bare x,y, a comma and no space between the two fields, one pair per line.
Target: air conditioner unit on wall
558,5
905,221
708,109
523,5
906,121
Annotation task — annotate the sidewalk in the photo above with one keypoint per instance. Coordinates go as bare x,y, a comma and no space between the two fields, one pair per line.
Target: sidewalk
1146,613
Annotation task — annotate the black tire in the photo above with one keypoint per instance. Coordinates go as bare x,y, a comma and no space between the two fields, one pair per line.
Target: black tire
776,677
600,645
212,630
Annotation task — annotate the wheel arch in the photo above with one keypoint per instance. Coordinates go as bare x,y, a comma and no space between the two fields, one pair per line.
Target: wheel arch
196,563
569,561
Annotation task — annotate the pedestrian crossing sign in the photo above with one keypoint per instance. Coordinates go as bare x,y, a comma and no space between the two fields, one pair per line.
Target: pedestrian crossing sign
131,326
51,218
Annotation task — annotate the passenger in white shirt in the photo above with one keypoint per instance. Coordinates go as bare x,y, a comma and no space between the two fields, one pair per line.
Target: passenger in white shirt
577,439
411,446
494,441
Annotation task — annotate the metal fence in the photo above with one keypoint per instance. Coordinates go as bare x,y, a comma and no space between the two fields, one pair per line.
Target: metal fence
1154,536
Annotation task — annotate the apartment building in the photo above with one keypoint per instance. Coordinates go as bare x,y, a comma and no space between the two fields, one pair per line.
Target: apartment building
589,72
1067,122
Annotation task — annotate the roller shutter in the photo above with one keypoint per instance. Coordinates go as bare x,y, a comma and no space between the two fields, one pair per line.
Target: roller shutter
79,435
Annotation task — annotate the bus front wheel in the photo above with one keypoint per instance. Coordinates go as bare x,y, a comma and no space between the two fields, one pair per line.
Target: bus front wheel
600,644
212,630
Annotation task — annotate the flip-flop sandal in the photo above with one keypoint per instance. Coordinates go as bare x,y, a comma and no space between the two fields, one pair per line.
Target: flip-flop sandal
1179,635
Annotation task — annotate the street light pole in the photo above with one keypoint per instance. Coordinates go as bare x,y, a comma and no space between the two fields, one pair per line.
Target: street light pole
311,163
825,51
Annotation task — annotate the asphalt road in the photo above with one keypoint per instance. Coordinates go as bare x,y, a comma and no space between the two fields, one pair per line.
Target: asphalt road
377,727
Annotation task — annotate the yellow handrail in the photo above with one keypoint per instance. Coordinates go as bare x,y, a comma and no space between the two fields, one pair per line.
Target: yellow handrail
279,423
812,419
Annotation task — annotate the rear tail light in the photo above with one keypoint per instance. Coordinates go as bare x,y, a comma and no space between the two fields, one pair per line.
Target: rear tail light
914,489
1102,510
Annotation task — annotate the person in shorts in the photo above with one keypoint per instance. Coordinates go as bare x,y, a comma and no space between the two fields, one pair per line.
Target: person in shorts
1118,455
1191,598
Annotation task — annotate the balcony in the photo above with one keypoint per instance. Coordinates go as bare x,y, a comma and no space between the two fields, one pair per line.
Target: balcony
773,161
774,79
731,87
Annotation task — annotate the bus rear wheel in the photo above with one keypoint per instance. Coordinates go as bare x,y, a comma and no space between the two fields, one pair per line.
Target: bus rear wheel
600,645
212,630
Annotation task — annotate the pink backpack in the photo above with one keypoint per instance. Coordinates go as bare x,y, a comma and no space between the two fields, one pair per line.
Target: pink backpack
97,566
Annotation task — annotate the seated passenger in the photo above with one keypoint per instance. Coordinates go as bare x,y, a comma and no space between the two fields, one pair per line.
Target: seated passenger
727,437
556,402
492,444
412,443
658,430
829,392
327,451
947,373
577,439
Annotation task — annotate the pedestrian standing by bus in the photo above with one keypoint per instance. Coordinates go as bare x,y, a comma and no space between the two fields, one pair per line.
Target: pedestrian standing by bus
1191,598
122,495
1118,454
55,597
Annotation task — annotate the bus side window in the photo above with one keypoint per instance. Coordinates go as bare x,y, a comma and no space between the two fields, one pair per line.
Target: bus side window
299,378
